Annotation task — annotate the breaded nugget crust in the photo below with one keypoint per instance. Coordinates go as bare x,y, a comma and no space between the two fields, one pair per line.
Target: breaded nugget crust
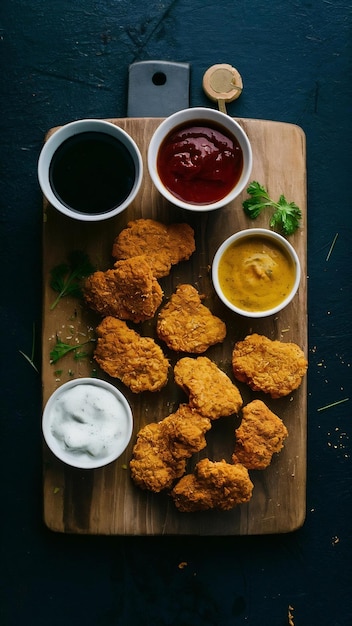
161,450
270,366
260,435
137,361
152,466
129,291
186,325
163,245
214,485
185,430
210,390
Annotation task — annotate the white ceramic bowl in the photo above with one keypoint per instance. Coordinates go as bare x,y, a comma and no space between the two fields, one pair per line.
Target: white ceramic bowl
270,236
204,116
87,423
87,183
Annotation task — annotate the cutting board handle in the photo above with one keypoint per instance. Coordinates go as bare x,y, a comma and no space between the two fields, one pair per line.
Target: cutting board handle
157,88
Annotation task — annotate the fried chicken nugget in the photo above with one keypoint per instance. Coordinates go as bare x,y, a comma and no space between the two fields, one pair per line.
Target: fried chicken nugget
270,366
137,361
163,245
260,435
152,465
129,291
185,430
213,485
186,325
161,450
210,390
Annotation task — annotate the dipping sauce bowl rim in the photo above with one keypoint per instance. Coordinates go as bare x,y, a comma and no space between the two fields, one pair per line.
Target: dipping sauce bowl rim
183,118
270,234
69,457
81,126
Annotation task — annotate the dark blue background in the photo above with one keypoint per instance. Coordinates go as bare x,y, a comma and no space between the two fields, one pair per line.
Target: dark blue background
62,60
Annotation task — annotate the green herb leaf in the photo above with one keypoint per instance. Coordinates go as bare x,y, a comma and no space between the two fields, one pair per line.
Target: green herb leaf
257,190
286,216
61,349
66,278
254,205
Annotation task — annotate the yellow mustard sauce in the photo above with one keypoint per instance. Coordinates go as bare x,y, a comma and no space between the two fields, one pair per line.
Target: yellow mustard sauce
256,274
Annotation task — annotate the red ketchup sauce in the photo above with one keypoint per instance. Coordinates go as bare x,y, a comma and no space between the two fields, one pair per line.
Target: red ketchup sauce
199,164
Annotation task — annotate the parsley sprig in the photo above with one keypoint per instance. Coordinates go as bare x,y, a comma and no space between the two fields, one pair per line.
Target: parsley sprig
66,278
286,216
61,349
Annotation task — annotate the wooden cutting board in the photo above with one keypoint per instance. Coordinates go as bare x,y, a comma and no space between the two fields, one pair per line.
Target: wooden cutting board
105,501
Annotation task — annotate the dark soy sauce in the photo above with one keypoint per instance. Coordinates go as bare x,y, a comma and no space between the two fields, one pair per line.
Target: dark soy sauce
92,172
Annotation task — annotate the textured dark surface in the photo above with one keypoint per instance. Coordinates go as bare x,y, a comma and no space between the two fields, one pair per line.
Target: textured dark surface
62,60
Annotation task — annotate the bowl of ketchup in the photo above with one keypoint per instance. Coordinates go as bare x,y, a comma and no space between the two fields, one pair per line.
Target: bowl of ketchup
200,159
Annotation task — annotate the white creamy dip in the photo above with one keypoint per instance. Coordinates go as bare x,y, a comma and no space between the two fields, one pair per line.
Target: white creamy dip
88,420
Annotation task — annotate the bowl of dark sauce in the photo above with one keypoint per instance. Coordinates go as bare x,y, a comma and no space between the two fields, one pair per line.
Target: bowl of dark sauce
200,159
90,170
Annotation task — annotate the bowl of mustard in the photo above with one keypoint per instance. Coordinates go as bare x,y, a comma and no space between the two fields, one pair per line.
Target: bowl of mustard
256,272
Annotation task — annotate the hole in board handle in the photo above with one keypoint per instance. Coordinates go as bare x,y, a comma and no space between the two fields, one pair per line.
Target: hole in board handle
159,78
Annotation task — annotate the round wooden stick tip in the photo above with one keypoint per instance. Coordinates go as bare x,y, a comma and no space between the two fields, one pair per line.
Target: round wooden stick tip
222,82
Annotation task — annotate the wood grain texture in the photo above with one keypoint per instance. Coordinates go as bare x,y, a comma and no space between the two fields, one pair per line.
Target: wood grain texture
105,501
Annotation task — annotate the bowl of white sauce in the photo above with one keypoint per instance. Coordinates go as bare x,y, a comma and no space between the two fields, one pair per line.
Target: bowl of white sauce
87,423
